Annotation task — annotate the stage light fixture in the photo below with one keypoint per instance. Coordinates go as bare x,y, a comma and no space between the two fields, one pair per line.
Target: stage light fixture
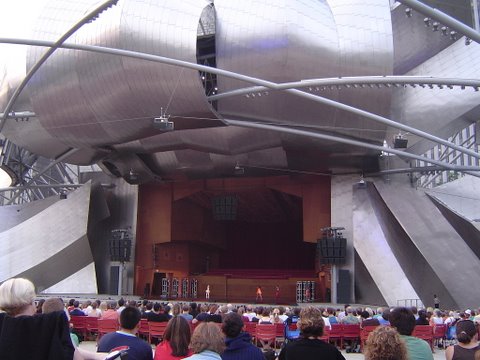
238,170
435,26
408,12
427,21
400,142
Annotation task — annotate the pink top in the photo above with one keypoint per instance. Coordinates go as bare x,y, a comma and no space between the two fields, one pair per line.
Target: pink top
110,314
164,352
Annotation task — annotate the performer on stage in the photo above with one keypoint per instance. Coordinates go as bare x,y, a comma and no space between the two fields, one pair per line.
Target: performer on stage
207,292
277,293
259,297
307,294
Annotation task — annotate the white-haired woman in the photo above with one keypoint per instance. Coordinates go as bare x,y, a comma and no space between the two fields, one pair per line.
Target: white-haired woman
23,336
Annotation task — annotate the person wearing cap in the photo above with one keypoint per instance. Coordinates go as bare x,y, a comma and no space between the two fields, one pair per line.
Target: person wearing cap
467,338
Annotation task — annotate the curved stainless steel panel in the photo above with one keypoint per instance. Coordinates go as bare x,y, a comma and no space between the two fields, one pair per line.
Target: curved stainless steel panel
293,40
435,110
63,244
88,99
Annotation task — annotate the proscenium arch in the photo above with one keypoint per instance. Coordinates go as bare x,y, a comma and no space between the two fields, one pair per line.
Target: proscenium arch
231,74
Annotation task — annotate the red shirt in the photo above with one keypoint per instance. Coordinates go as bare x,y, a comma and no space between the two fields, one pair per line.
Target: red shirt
164,352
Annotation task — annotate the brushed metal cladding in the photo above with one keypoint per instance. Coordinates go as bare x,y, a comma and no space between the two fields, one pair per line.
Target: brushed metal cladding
366,291
460,196
375,252
285,41
221,140
341,204
81,282
366,48
434,238
86,99
436,109
56,95
50,245
278,41
413,41
167,28
16,214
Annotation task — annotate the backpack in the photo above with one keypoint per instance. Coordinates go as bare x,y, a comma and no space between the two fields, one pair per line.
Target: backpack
452,330
290,331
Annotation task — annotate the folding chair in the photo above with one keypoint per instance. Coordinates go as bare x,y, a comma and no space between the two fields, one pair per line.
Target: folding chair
279,334
364,335
439,333
106,326
156,330
424,332
326,335
335,335
79,325
350,332
250,328
91,323
265,335
143,329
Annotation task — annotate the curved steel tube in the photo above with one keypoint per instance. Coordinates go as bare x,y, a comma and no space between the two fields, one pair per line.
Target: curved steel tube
443,18
356,81
250,124
268,84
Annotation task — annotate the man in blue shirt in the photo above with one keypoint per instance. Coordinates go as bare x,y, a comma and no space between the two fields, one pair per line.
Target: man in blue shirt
125,337
239,343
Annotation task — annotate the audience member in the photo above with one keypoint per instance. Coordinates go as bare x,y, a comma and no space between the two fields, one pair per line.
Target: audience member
158,314
110,313
175,340
176,310
76,310
250,313
467,338
203,315
383,320
332,319
193,310
422,318
309,346
384,343
95,312
55,304
403,320
350,318
207,342
186,313
39,337
121,305
39,306
239,343
213,315
137,348
368,320
436,319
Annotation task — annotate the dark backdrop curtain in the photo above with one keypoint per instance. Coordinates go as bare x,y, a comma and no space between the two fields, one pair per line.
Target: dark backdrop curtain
267,246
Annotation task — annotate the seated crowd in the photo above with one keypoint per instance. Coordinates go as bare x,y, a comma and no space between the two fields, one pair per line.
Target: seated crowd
210,331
